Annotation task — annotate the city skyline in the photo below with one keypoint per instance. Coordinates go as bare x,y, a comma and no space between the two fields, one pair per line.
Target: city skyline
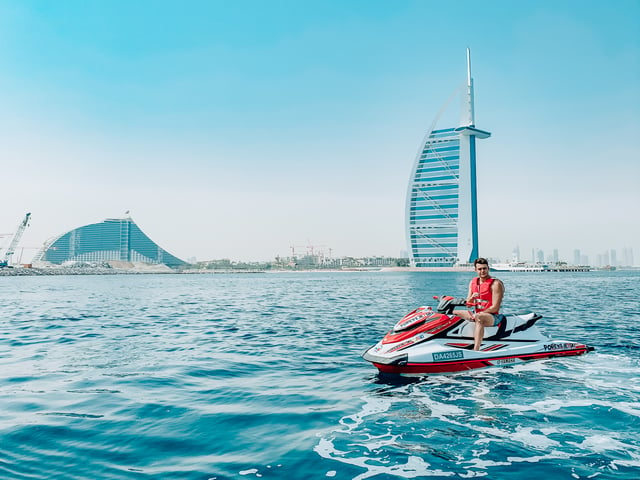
623,256
608,257
235,130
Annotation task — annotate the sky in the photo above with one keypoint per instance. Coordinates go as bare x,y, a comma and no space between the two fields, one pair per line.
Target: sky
240,129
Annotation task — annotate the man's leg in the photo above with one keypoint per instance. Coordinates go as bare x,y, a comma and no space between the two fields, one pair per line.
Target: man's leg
482,320
466,314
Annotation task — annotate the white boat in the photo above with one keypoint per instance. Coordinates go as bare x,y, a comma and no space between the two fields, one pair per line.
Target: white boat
518,267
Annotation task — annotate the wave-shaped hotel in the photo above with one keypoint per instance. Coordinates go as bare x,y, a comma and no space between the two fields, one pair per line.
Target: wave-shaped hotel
114,239
441,206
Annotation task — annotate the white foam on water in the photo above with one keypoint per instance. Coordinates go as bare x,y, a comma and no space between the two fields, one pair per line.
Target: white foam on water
415,467
624,386
372,406
326,449
609,373
603,443
472,474
625,463
553,455
439,410
555,404
596,371
522,435
375,442
472,404
534,440
480,463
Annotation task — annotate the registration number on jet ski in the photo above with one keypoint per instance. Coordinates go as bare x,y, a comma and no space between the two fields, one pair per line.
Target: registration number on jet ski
453,355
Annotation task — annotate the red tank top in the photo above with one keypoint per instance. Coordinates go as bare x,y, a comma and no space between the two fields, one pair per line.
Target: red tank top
485,298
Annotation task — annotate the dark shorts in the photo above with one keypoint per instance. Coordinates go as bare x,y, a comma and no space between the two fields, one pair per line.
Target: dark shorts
497,318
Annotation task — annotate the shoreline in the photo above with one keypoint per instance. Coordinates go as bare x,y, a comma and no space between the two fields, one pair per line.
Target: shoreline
49,271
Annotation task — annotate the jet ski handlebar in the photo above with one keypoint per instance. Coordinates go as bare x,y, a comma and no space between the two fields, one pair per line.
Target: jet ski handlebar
448,303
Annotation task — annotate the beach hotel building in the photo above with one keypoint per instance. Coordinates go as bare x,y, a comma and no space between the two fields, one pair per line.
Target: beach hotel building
115,239
441,208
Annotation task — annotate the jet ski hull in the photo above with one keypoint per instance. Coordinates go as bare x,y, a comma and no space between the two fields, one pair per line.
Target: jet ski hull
405,367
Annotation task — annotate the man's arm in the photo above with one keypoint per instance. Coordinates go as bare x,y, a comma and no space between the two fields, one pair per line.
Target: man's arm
470,297
466,314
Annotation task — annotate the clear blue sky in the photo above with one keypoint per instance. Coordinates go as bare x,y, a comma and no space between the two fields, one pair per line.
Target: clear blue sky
239,128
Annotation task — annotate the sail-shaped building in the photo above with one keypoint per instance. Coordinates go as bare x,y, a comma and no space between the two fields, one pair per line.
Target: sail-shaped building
114,239
441,206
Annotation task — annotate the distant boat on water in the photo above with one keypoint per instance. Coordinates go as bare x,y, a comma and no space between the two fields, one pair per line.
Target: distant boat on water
517,267
538,267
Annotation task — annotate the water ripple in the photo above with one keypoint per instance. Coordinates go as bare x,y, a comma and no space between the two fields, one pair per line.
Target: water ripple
260,376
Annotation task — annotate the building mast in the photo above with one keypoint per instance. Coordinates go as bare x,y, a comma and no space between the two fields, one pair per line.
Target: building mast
470,114
468,204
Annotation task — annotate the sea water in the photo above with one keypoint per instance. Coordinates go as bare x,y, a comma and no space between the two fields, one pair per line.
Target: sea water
242,376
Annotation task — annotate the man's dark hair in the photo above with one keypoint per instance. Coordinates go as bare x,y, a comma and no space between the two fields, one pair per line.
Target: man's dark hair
481,261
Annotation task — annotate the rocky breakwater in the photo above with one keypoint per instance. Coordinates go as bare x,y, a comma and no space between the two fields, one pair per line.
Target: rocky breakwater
81,268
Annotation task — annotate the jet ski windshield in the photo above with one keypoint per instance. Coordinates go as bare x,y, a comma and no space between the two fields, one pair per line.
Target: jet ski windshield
447,304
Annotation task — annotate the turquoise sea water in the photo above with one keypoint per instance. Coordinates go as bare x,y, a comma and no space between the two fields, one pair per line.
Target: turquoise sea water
260,376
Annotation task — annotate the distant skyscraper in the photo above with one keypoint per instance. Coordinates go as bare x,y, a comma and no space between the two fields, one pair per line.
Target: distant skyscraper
576,257
441,208
603,259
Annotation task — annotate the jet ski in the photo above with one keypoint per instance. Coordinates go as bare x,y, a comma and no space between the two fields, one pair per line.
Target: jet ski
432,342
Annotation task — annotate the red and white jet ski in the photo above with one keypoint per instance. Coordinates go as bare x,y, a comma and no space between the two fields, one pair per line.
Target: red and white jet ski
426,342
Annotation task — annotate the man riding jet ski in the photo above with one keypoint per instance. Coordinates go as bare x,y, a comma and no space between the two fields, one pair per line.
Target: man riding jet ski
426,341
485,297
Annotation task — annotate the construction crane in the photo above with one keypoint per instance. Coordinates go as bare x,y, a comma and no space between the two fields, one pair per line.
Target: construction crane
6,257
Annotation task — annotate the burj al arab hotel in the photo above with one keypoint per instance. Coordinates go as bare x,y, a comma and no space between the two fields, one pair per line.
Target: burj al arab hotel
441,207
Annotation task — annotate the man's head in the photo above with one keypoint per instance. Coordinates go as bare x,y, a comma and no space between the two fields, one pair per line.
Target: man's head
481,266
